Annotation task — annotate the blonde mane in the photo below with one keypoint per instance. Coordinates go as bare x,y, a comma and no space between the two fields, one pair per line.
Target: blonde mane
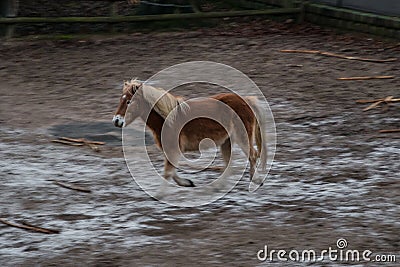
162,102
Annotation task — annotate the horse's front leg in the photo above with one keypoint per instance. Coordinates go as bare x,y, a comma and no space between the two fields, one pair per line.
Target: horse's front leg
170,168
180,181
170,172
226,151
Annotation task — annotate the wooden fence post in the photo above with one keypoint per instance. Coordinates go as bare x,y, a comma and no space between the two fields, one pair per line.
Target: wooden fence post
113,13
302,14
9,9
195,5
288,3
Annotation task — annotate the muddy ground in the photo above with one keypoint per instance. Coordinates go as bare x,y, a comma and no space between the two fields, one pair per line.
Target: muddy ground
334,176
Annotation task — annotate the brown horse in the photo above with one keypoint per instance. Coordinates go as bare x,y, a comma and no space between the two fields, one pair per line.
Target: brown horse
179,126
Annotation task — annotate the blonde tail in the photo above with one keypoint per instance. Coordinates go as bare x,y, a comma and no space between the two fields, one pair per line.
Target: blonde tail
260,132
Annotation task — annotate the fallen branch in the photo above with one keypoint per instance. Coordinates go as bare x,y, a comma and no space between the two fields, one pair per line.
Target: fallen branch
66,142
294,65
317,52
386,100
376,102
73,187
365,101
364,78
93,147
393,46
81,140
374,105
390,131
28,226
54,231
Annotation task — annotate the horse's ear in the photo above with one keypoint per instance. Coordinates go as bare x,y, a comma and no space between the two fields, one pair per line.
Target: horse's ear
137,86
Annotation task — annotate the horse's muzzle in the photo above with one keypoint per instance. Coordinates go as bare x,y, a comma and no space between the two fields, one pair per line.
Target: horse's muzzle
118,121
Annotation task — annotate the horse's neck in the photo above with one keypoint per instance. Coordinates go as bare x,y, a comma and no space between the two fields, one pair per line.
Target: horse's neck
155,122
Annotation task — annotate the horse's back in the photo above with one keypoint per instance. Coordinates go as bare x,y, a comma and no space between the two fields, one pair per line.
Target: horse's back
207,118
239,105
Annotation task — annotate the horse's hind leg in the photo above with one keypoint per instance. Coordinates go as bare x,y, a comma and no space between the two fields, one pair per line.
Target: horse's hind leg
253,160
169,170
251,154
226,155
226,151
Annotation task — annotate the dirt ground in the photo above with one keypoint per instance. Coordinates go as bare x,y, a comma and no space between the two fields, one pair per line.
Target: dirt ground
334,176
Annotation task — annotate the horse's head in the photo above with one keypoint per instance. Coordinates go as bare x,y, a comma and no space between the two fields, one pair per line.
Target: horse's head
128,92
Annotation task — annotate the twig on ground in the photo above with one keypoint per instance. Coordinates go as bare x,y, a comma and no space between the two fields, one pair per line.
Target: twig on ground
386,100
79,142
360,78
390,131
66,142
365,101
73,187
393,46
28,226
82,140
93,147
54,231
376,102
373,105
317,52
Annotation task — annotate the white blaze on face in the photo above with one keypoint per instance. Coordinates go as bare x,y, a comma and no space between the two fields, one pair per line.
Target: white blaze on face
118,120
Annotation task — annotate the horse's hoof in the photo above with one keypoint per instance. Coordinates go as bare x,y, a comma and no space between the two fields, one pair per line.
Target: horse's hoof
217,189
258,182
186,183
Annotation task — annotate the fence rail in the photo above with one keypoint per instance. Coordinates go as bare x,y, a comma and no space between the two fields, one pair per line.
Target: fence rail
10,21
338,17
118,19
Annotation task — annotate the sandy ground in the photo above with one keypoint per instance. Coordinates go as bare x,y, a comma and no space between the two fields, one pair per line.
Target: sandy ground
334,175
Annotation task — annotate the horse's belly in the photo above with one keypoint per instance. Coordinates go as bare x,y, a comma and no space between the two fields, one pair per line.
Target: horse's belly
199,129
